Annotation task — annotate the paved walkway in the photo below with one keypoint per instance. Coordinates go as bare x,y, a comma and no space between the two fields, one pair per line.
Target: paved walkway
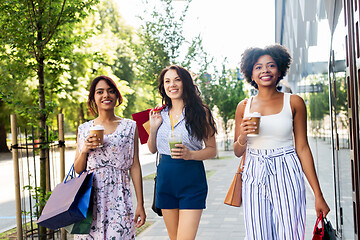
223,222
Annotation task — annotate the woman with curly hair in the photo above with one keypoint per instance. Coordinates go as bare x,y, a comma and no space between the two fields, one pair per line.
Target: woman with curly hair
181,188
278,157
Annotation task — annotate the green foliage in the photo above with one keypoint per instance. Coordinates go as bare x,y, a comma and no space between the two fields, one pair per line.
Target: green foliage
40,197
161,41
36,38
224,91
318,103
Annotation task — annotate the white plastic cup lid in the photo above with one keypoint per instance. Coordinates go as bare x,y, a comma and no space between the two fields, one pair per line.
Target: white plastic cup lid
97,127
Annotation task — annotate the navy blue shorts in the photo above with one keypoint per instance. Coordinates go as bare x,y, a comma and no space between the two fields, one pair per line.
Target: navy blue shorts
181,184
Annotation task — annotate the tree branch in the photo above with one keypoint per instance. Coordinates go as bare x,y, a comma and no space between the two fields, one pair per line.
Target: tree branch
53,29
32,22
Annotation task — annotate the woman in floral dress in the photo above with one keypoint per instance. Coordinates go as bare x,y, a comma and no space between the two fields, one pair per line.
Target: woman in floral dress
113,216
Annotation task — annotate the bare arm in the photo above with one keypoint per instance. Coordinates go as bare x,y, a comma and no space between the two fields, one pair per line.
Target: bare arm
304,152
240,138
155,122
136,177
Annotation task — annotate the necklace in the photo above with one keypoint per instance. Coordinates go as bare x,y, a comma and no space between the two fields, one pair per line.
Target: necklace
175,117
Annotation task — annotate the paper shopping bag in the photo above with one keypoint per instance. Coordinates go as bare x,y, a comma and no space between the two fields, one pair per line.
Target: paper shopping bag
69,201
143,123
140,118
83,226
318,233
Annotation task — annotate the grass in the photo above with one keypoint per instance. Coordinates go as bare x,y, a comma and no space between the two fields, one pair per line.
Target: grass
143,227
10,234
149,177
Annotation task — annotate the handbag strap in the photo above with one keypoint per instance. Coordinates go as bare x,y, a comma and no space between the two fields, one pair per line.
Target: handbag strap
242,163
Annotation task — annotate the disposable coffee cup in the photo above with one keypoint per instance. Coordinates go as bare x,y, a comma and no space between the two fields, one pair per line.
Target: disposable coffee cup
255,117
174,138
99,131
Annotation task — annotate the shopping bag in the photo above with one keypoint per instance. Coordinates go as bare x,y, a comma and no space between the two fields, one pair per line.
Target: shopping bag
83,226
318,233
69,201
142,118
143,123
329,231
326,232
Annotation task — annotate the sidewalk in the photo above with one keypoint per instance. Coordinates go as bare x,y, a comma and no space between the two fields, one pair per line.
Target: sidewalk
220,221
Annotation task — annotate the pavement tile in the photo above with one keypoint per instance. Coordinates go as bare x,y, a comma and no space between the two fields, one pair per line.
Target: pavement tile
220,221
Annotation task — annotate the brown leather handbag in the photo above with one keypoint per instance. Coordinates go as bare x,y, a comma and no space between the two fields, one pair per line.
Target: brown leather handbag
233,196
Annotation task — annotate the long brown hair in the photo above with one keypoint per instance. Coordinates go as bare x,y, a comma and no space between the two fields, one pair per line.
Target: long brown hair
199,120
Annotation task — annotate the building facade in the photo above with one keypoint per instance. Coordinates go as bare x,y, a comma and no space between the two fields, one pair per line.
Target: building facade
323,38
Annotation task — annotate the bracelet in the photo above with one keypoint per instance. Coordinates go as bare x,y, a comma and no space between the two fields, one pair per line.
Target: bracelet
242,144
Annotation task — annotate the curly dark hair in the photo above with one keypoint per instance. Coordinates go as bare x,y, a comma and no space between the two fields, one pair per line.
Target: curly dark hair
250,56
91,100
199,120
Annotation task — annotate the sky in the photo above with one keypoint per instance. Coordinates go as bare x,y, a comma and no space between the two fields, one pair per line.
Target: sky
227,27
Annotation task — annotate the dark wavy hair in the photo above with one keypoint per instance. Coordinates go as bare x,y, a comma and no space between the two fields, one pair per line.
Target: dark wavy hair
199,120
91,100
250,56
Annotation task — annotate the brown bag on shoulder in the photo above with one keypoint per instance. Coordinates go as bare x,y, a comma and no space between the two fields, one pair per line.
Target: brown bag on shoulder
233,196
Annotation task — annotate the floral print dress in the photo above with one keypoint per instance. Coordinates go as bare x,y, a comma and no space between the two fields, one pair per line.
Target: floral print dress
113,216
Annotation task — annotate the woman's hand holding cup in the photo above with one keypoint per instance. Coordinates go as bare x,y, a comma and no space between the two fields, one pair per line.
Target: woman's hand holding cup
249,126
95,138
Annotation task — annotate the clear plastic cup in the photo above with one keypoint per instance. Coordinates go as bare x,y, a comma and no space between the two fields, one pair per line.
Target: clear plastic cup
174,138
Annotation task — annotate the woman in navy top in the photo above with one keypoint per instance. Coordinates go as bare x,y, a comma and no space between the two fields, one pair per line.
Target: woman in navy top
181,188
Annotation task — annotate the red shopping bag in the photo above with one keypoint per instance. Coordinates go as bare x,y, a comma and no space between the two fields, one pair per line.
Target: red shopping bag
319,232
143,124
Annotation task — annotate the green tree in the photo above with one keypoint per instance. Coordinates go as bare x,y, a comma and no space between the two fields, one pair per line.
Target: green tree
107,51
223,91
161,43
36,32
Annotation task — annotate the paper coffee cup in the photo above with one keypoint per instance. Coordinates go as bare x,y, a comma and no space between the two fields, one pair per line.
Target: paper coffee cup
99,131
255,117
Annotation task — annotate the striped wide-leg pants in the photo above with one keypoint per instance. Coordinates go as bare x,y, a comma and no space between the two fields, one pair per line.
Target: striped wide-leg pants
273,194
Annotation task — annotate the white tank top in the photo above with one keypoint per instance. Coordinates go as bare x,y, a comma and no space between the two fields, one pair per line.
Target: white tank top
276,130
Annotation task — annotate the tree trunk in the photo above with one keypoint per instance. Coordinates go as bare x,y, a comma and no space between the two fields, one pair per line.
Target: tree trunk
42,121
81,114
3,144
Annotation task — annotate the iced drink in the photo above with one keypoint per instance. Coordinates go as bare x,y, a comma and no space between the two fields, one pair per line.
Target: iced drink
255,117
99,131
174,138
